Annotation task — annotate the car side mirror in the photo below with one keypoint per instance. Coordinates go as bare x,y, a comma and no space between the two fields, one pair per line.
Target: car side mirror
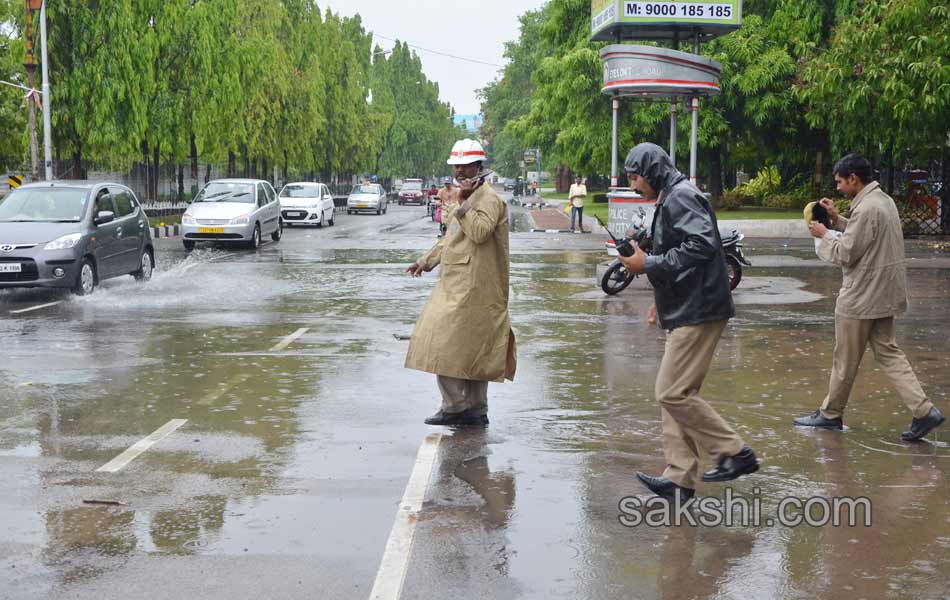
103,217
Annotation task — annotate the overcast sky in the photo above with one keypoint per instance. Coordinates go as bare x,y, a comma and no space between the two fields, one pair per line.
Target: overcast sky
473,30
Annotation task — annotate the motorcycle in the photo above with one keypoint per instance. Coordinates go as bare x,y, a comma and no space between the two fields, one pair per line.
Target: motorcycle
616,278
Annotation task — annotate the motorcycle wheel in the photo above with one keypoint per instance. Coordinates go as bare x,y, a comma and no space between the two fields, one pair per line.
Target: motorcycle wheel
615,279
733,271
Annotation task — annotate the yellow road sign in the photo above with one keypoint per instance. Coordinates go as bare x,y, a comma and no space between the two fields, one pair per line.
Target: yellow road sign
14,181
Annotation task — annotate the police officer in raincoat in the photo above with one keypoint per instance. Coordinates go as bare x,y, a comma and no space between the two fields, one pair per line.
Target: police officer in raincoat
464,333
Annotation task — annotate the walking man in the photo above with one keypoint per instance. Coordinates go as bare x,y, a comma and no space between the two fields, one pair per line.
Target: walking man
873,291
688,272
464,334
576,197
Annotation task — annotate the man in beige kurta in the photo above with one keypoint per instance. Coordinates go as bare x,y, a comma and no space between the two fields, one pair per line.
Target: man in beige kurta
464,332
873,292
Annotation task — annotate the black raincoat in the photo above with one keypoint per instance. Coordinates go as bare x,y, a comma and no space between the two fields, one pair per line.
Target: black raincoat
688,266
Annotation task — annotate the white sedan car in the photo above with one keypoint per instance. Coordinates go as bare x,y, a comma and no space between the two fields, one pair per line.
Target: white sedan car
306,203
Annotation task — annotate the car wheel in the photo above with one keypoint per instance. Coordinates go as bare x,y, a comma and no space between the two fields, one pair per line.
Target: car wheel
189,245
330,221
379,211
385,209
255,242
147,267
86,281
279,231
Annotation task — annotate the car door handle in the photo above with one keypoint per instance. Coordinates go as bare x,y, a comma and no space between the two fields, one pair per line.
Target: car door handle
118,232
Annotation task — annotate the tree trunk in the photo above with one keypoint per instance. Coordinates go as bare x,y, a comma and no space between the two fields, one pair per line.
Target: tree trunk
728,168
945,190
181,183
232,164
155,165
208,172
715,172
194,159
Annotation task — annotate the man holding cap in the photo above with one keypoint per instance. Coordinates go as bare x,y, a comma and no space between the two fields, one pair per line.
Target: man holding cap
464,334
870,250
693,302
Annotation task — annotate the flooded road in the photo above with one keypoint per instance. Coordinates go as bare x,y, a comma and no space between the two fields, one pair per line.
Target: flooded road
303,444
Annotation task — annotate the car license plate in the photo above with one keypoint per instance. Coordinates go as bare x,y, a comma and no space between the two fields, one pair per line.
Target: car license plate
211,230
11,268
362,206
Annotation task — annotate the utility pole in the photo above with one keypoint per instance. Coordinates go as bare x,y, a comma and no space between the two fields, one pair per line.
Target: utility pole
31,99
47,101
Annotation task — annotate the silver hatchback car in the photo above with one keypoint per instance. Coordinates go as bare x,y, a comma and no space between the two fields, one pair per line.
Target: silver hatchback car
73,234
233,211
367,196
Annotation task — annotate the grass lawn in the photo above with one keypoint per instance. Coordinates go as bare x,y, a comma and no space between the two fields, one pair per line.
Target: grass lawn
169,220
744,214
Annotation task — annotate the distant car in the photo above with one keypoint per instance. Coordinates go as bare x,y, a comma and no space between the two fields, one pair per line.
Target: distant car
238,211
411,192
509,185
306,203
367,196
73,234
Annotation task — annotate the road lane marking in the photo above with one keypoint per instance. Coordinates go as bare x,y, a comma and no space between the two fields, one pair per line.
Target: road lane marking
141,446
392,570
32,308
289,339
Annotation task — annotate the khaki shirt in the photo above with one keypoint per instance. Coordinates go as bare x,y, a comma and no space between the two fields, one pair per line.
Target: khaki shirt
871,254
464,330
577,193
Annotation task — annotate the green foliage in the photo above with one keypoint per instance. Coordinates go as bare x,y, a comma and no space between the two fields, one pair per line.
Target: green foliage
765,183
272,83
731,200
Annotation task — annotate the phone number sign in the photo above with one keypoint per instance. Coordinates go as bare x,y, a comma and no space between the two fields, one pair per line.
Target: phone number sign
663,19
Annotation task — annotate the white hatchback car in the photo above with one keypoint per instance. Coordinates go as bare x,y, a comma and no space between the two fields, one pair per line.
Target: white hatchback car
306,203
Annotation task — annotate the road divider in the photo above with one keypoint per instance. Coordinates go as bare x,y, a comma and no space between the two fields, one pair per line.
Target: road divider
392,570
141,446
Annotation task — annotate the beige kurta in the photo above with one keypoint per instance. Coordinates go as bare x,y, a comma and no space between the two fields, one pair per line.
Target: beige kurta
464,330
871,255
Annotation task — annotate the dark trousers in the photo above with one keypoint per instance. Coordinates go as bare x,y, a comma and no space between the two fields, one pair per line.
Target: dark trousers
577,212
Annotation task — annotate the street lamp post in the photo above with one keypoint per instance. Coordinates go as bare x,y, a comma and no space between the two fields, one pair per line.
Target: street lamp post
47,101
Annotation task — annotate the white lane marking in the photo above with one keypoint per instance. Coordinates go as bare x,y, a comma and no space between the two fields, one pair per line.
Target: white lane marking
141,446
32,308
392,570
289,339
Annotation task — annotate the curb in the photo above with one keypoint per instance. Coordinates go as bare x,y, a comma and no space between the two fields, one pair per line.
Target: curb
167,231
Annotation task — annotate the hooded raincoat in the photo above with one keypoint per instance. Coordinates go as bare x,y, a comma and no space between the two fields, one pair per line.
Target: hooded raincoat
464,330
687,267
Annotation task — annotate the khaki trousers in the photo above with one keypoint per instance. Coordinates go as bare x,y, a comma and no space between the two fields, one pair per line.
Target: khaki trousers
690,424
852,337
463,394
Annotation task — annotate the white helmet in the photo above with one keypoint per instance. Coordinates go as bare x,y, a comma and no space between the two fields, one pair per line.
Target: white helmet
466,152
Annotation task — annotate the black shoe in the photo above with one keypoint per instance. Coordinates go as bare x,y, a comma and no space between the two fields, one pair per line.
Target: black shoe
733,467
465,418
817,419
924,425
664,488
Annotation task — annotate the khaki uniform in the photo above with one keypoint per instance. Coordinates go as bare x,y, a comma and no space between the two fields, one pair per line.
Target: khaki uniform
464,332
691,427
873,292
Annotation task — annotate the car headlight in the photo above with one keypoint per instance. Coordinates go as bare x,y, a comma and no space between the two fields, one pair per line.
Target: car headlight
242,220
188,220
64,243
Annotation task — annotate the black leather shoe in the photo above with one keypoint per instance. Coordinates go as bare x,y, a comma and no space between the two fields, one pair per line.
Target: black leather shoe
466,418
817,419
924,425
733,467
664,488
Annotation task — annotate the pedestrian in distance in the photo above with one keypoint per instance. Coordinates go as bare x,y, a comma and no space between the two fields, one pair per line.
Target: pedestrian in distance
693,303
576,199
870,251
464,333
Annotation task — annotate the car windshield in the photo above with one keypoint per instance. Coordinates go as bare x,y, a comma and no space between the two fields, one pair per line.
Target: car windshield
227,192
364,189
50,205
412,186
300,191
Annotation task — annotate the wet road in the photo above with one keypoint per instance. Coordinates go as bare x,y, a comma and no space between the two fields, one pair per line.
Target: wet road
303,436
